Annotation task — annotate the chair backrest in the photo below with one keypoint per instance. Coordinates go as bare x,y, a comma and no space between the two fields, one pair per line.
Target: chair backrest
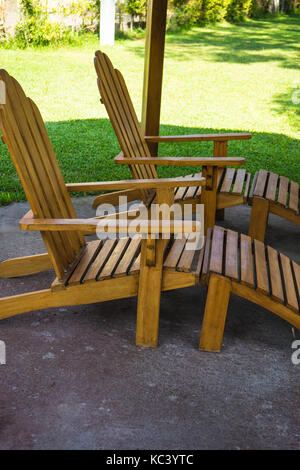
115,96
30,148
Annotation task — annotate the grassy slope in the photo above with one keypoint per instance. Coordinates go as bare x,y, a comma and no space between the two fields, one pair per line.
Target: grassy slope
233,78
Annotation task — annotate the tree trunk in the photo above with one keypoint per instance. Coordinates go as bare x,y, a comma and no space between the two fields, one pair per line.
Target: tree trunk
11,16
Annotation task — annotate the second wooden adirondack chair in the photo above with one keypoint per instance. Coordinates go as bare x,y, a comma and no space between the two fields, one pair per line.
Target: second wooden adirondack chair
268,192
136,153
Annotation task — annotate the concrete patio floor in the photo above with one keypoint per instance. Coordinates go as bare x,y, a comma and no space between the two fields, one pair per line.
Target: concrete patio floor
74,379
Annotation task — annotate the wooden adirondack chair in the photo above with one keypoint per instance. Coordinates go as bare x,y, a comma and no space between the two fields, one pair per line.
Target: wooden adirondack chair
269,193
86,273
272,194
115,269
232,186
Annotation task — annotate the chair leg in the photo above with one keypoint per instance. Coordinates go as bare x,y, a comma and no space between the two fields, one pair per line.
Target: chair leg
219,289
26,265
149,293
259,218
148,315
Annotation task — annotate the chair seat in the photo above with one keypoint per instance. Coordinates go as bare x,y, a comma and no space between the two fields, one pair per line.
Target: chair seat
230,181
225,252
100,260
276,189
253,264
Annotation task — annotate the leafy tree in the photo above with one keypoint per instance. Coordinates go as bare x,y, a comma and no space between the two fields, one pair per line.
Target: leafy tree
238,10
135,8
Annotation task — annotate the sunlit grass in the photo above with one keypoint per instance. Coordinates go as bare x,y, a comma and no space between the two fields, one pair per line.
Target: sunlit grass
218,78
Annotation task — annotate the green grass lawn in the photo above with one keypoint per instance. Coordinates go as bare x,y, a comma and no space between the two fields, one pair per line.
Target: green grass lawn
218,78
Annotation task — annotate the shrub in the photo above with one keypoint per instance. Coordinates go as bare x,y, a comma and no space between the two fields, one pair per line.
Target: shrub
35,29
238,10
190,12
214,10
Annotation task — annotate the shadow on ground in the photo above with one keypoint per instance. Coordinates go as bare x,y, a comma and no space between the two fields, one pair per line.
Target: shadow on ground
246,43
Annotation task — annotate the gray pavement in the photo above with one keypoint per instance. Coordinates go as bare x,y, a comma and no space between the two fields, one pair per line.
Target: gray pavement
74,379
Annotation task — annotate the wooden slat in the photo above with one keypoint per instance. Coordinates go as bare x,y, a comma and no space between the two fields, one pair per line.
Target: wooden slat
117,123
141,147
199,191
239,182
174,253
118,118
120,159
112,101
119,106
283,191
181,190
231,259
261,182
262,278
272,187
100,260
221,174
219,138
199,265
187,257
216,257
114,259
294,196
56,177
61,283
247,274
130,254
275,276
143,183
228,180
136,265
253,185
296,270
247,185
291,295
140,141
89,252
207,251
191,192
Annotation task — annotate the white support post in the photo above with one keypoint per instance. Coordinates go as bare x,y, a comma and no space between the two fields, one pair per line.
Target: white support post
107,22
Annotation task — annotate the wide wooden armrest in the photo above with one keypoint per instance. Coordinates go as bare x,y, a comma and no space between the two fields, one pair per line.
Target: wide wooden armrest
153,183
181,161
199,137
108,226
